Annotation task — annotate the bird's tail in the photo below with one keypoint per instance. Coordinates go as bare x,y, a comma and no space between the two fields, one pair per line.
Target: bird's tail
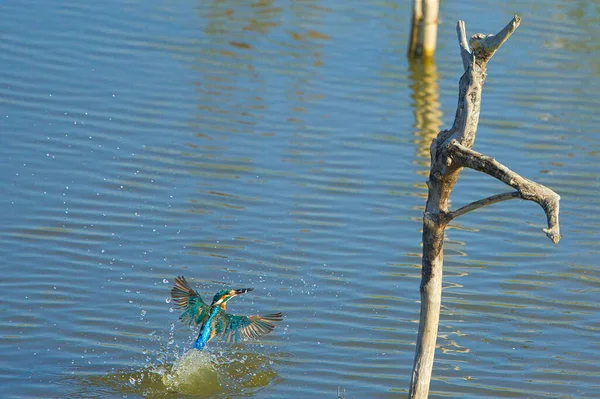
199,343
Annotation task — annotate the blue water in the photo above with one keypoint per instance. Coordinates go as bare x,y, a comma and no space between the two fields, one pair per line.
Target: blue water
284,146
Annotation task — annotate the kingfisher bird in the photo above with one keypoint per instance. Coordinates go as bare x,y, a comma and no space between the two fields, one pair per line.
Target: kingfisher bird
214,319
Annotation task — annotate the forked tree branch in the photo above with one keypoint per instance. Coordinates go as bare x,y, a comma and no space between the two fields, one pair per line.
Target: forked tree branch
450,153
462,156
484,46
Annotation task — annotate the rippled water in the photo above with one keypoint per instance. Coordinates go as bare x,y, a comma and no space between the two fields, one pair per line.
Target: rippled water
283,146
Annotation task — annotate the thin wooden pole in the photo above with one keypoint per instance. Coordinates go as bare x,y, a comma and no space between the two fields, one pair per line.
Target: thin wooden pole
430,26
431,301
414,47
423,28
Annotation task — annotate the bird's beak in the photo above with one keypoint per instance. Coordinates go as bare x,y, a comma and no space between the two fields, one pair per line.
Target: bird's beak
231,294
240,291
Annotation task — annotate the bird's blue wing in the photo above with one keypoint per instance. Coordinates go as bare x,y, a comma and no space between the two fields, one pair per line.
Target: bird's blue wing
194,308
235,328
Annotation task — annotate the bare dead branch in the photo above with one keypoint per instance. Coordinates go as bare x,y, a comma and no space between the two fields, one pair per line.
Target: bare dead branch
465,53
450,153
484,46
529,190
483,202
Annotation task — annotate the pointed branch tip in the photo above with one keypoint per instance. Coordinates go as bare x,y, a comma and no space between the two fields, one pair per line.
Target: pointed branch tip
552,235
465,53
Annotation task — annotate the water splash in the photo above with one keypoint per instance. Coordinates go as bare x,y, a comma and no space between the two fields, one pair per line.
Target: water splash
194,373
201,374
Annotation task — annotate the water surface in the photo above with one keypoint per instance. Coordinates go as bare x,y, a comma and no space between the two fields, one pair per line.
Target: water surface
284,146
